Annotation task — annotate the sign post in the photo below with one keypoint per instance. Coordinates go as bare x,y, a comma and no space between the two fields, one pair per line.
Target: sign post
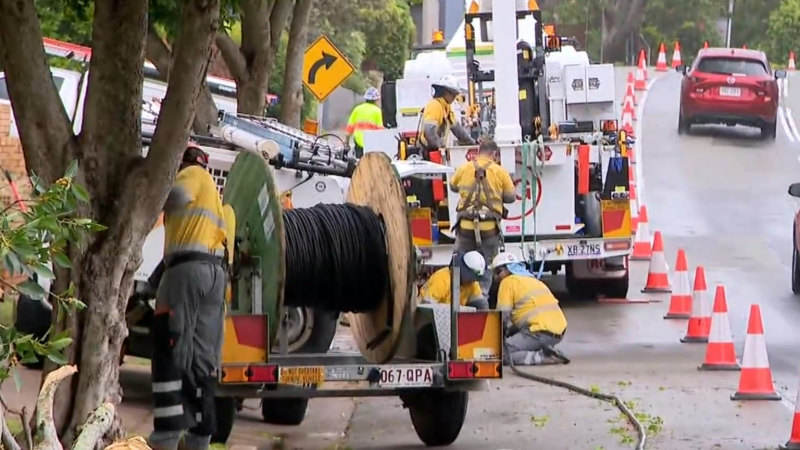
324,68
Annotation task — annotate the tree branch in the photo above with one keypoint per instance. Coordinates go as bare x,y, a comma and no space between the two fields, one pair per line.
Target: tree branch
191,52
292,95
232,56
46,435
37,104
23,417
95,427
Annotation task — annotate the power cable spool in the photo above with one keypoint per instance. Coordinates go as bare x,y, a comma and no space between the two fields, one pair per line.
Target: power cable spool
355,257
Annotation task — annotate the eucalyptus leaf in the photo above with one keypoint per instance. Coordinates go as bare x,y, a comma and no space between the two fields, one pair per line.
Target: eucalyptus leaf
72,169
31,289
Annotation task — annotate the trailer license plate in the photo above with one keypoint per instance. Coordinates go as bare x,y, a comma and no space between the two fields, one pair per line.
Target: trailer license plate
302,376
583,249
730,91
406,376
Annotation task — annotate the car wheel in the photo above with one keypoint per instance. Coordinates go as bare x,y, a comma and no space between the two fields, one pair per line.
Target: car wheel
795,264
683,124
769,130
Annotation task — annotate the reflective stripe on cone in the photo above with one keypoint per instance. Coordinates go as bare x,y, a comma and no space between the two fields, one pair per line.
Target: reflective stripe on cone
658,275
680,303
755,382
720,352
699,326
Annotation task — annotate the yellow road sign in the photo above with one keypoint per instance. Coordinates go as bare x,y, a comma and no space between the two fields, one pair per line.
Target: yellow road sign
324,68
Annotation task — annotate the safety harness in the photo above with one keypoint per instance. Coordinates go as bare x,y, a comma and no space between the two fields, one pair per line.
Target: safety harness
479,205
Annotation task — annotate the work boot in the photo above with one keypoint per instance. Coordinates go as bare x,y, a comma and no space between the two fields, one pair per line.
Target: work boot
556,354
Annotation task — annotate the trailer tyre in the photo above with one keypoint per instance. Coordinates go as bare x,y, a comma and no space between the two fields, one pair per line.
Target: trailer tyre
438,416
226,415
284,411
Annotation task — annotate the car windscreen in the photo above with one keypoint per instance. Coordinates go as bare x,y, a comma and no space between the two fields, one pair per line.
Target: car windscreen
732,66
59,81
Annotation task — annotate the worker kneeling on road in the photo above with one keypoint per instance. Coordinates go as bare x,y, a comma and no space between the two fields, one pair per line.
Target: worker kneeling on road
438,287
534,321
483,186
438,118
190,309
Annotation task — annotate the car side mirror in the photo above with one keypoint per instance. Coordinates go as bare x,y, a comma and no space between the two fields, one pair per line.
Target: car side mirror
794,189
682,69
780,74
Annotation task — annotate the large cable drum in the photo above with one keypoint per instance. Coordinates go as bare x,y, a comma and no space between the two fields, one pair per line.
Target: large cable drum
355,257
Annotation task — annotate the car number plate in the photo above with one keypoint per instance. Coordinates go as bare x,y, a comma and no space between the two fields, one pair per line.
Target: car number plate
409,376
302,376
583,249
730,91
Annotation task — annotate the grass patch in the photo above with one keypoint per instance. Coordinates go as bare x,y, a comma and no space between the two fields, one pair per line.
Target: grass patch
14,425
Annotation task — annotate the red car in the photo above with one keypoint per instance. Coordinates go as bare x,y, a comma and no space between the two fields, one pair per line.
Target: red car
731,86
794,191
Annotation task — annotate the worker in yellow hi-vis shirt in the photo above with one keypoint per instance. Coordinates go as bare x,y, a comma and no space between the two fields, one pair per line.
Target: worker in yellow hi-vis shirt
534,321
483,187
190,308
366,116
438,287
438,118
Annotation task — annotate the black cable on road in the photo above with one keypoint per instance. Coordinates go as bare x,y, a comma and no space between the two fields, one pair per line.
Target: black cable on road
642,436
336,258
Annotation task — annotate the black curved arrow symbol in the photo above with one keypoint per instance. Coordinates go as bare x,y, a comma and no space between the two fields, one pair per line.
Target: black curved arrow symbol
327,60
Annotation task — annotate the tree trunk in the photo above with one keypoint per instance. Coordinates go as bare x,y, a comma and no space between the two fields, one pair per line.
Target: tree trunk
127,190
292,96
160,54
620,18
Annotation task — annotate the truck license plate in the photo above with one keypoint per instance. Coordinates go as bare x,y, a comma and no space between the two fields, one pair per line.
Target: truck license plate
583,249
730,91
410,376
302,376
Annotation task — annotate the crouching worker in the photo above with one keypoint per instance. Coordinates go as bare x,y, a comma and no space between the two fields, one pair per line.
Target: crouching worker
534,322
472,266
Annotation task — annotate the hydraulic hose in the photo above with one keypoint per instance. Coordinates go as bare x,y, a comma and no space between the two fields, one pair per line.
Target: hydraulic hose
642,436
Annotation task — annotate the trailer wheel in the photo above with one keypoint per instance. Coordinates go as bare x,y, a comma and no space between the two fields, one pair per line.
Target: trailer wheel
226,415
284,411
584,288
438,416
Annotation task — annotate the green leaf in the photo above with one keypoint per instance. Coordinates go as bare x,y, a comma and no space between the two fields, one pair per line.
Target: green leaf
32,290
57,357
62,260
43,271
59,344
80,193
12,263
72,169
94,226
17,381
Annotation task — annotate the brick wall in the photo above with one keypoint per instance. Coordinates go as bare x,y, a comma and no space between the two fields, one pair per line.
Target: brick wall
11,159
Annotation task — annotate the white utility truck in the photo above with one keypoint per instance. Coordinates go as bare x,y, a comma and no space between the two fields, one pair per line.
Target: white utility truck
554,117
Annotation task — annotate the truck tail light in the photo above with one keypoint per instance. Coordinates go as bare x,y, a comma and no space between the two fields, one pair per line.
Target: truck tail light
461,369
263,374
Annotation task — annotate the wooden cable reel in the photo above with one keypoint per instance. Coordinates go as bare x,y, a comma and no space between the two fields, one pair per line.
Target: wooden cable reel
250,189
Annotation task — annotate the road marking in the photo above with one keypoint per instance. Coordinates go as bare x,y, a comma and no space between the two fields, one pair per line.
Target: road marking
792,123
638,167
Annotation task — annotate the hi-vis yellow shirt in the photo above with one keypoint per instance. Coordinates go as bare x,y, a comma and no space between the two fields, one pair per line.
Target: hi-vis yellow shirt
439,114
437,289
366,116
230,230
531,304
497,180
197,223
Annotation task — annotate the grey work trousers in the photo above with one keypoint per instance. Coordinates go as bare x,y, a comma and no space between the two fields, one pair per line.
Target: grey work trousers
490,245
194,294
525,347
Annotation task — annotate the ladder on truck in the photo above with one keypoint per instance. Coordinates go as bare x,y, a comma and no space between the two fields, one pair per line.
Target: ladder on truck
285,146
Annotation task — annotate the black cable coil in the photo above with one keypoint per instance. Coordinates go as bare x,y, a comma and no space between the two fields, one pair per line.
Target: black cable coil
336,258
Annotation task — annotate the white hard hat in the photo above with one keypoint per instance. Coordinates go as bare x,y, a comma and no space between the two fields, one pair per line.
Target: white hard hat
503,259
475,263
448,82
372,95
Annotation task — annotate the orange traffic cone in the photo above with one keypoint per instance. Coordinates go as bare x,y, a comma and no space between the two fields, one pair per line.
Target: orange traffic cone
744,46
627,122
639,82
676,55
794,439
705,44
642,250
658,275
680,304
629,89
643,56
791,66
628,104
632,185
755,383
720,352
634,198
699,326
661,63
